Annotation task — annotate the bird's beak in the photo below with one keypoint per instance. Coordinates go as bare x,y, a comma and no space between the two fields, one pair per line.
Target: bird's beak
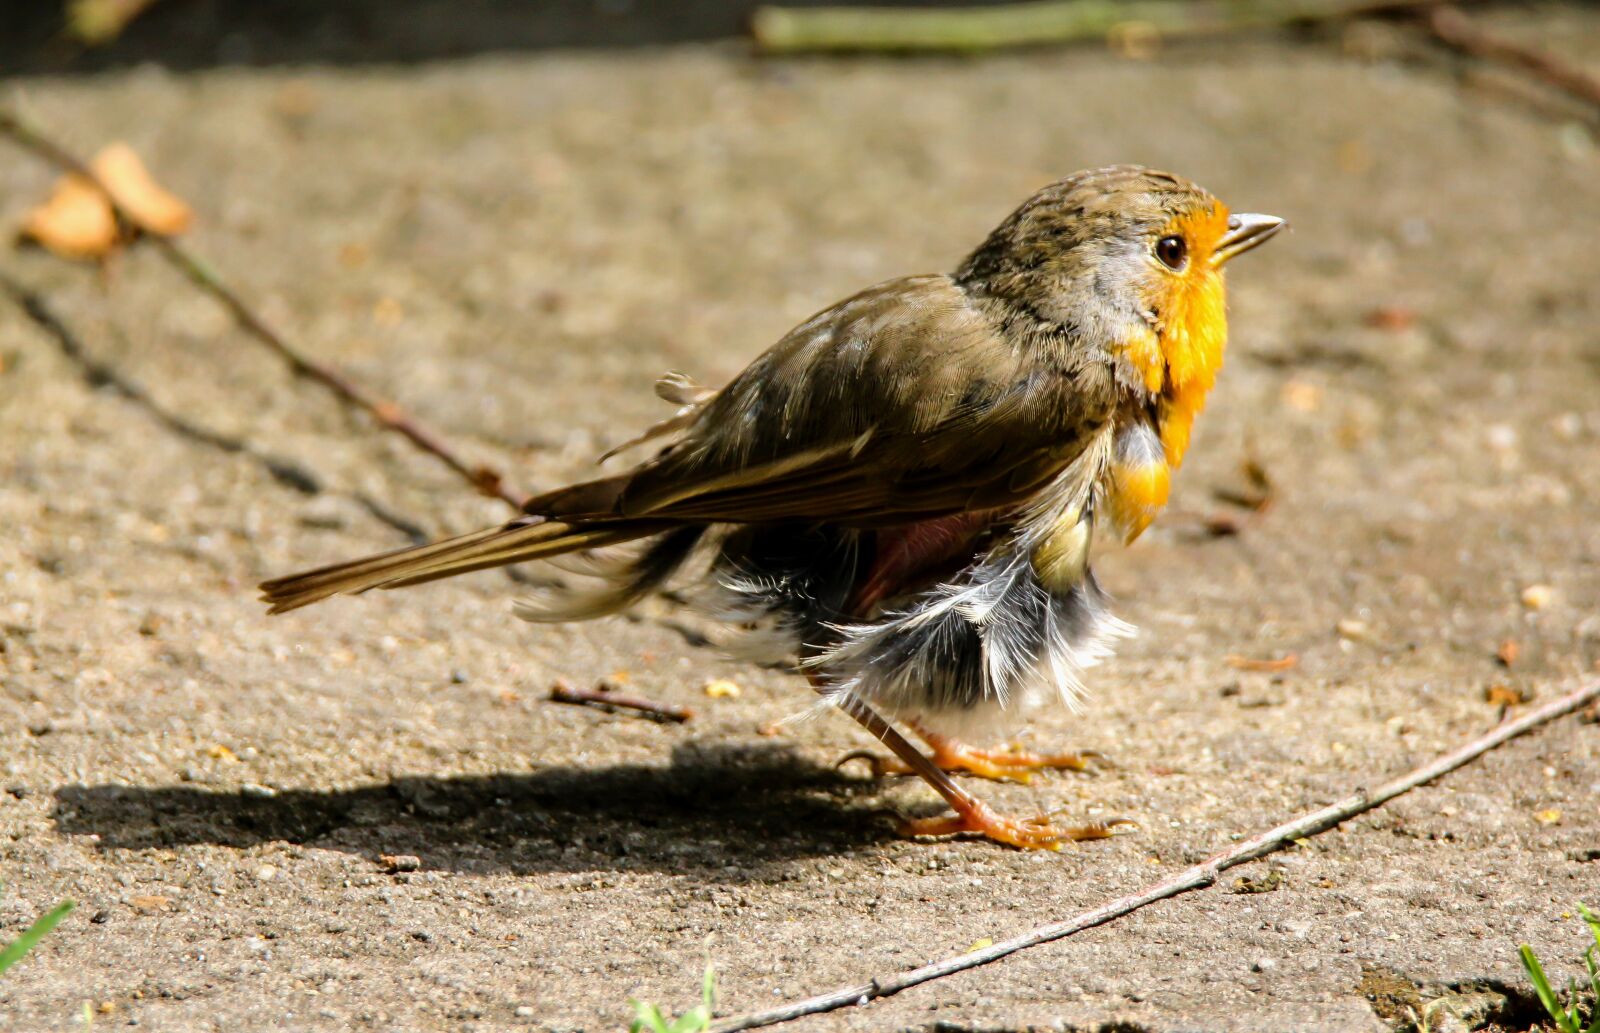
1245,231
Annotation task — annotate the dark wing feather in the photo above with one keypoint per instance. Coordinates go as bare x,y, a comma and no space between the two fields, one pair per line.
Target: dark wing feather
903,402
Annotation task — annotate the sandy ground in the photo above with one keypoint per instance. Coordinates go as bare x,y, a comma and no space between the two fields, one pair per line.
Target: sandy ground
516,246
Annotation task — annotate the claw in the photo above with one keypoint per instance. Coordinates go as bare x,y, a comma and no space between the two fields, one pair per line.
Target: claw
881,766
1035,833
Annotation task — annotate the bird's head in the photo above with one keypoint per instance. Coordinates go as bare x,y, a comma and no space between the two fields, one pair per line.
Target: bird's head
1128,259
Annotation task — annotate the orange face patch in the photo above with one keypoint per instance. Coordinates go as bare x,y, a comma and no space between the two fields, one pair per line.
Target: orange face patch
1194,326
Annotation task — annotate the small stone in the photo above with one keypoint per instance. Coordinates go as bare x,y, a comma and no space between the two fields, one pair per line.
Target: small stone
258,791
267,872
1502,437
721,688
458,676
1538,597
100,917
1459,1012
1568,426
526,1011
422,935
1263,965
325,512
1354,630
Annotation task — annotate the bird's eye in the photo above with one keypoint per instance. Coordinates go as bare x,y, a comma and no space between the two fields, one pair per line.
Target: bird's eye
1172,251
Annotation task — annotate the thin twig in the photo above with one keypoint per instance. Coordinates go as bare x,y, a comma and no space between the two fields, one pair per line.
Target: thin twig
1197,877
602,696
102,374
782,30
485,479
1454,29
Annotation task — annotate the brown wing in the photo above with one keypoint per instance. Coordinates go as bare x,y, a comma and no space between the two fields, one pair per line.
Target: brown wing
901,403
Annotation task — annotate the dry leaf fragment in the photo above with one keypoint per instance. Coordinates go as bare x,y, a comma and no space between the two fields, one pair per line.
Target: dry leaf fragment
78,222
1246,663
152,208
978,945
220,752
1548,816
152,902
1504,695
1303,396
1267,883
1393,318
1260,493
400,862
1508,652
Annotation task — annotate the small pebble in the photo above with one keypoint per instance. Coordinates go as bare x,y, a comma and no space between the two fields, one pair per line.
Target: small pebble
526,1011
267,872
401,862
1501,436
1356,631
257,790
1538,597
1263,965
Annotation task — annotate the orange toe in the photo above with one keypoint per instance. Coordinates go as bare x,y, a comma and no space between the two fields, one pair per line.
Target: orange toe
1023,833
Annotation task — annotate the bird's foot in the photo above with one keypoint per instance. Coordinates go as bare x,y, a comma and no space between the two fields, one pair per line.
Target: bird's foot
1037,833
1012,765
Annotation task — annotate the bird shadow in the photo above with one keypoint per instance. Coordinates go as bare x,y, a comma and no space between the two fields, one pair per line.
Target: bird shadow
715,807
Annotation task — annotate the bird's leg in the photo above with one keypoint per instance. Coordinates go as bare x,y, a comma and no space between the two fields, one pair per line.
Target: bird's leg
972,814
999,765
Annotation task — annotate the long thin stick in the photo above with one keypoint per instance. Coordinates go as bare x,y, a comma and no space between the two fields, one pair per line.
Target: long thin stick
1454,29
485,479
782,30
1198,877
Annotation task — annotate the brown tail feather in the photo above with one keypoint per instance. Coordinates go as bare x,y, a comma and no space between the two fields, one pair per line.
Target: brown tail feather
526,539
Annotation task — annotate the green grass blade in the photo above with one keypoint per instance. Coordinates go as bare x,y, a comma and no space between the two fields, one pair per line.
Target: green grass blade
695,1020
1547,994
1592,921
13,952
647,1018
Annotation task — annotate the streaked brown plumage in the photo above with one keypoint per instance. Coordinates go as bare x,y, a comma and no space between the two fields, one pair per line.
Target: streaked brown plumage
902,492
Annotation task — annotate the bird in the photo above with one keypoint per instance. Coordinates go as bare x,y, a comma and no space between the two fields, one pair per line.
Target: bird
900,498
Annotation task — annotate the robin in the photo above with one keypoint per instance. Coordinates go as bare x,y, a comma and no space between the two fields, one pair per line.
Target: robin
901,495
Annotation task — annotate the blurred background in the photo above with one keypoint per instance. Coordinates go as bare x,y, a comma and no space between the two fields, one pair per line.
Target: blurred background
493,224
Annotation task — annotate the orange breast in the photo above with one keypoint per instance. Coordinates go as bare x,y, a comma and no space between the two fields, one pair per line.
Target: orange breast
1140,479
